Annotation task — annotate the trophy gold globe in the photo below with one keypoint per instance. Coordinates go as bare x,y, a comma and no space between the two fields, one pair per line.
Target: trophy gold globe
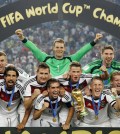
77,95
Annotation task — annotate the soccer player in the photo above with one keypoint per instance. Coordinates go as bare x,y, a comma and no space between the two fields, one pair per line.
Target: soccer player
48,108
77,80
107,56
11,93
97,105
58,63
23,76
115,114
33,87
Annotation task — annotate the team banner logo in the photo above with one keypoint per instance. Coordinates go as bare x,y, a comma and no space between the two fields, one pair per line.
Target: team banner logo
26,13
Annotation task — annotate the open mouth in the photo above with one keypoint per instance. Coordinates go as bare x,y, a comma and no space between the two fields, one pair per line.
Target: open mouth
10,82
59,52
75,78
97,91
118,85
55,94
108,60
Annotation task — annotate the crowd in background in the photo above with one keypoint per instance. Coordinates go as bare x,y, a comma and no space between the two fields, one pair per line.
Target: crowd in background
43,35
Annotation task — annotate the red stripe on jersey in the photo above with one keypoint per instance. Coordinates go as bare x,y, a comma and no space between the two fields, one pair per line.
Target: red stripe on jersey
81,86
6,97
67,88
41,88
1,77
88,103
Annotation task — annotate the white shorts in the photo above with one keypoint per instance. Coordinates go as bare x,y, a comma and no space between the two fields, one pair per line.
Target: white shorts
63,115
105,124
47,121
9,120
115,122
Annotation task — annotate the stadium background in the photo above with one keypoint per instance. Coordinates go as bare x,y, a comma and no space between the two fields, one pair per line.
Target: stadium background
74,34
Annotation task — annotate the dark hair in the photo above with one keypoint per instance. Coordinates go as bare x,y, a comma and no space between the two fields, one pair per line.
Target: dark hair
96,78
75,64
60,40
10,68
114,74
50,81
107,47
44,66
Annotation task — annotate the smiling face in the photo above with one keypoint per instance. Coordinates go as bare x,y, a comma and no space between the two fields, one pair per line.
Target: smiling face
43,75
115,81
10,79
107,56
96,87
54,90
59,49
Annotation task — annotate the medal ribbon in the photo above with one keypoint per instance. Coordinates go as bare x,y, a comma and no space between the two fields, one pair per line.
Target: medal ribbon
11,97
77,85
96,108
54,110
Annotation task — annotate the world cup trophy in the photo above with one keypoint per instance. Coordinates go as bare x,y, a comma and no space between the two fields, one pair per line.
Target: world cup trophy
77,95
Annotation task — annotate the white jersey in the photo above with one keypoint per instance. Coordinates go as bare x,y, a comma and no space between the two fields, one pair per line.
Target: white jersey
23,76
5,97
60,101
113,114
103,111
46,119
32,84
84,81
1,77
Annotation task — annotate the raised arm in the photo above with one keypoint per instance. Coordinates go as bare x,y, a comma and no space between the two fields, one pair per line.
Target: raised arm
105,74
86,48
31,46
22,124
66,126
117,104
28,101
37,112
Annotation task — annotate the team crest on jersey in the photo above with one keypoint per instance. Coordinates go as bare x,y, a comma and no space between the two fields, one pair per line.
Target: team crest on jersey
16,95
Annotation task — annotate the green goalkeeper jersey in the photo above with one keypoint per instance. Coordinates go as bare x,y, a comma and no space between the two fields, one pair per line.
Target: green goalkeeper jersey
57,66
94,66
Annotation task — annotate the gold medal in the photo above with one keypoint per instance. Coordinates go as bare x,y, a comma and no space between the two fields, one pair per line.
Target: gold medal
96,117
8,108
54,119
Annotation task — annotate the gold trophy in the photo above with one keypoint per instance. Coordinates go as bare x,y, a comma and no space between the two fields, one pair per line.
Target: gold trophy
77,95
